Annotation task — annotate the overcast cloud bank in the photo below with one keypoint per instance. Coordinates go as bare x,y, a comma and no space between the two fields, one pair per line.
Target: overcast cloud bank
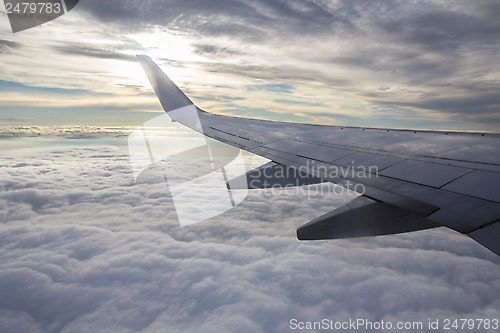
84,248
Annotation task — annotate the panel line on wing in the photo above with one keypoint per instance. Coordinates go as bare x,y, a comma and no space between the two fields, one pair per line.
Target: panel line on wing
451,181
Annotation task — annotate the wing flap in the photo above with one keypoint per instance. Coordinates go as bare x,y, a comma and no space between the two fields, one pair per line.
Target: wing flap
363,217
479,184
424,173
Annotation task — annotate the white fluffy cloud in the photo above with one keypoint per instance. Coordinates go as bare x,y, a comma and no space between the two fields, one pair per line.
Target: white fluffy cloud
83,248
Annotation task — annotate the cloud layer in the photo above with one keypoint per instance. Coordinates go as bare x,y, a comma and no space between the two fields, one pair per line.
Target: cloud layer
84,248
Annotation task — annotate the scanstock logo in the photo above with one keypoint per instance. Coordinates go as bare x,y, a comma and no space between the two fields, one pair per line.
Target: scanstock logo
26,14
195,169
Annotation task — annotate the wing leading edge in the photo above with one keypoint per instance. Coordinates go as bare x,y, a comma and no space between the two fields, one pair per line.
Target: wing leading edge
412,180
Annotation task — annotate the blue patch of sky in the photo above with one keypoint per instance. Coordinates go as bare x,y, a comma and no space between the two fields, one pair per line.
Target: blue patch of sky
147,93
97,116
287,101
381,121
10,86
220,98
229,98
36,143
279,88
266,114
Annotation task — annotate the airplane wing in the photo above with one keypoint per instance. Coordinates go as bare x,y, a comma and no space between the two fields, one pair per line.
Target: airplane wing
411,180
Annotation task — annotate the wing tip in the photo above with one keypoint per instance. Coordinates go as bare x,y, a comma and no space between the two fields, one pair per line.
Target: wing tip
170,95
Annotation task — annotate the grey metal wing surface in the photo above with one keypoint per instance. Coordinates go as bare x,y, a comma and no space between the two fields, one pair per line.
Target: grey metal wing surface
411,180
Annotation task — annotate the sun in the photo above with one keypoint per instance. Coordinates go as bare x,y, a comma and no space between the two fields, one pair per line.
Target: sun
167,45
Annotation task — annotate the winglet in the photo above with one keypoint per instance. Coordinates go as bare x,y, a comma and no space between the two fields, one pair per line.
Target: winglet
170,96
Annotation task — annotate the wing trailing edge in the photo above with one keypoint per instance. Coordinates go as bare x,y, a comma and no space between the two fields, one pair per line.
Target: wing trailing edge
363,217
488,236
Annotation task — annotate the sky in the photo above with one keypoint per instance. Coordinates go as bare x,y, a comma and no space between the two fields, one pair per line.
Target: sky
85,247
399,64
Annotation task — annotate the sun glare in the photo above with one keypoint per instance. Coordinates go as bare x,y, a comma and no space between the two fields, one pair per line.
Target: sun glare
165,45
159,46
129,73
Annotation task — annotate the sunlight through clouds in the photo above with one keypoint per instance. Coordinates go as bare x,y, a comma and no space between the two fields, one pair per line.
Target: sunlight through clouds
436,59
